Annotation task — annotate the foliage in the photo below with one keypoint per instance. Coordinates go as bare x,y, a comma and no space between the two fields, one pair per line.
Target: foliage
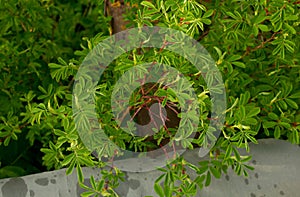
32,35
254,44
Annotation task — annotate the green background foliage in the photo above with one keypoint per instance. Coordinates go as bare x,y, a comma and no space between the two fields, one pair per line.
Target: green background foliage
255,46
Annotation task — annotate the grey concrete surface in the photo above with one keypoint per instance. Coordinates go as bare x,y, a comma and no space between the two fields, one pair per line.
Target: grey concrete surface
276,174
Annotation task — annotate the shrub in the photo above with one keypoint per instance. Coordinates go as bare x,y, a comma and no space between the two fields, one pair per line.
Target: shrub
254,45
33,34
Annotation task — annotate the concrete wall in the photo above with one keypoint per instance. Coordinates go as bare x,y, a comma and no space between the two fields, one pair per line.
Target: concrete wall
276,174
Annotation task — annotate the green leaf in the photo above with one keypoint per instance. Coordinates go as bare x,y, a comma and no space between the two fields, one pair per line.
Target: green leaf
285,125
278,26
250,121
232,15
205,21
208,13
202,169
6,141
277,132
255,30
289,46
242,112
247,158
158,189
291,103
11,171
276,16
42,89
148,4
295,95
244,98
215,172
273,116
4,134
253,112
295,136
79,173
87,194
228,151
93,183
282,104
199,181
234,58
263,28
71,168
290,28
236,154
208,179
168,192
63,62
238,169
239,64
260,18
68,159
252,139
100,185
269,124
